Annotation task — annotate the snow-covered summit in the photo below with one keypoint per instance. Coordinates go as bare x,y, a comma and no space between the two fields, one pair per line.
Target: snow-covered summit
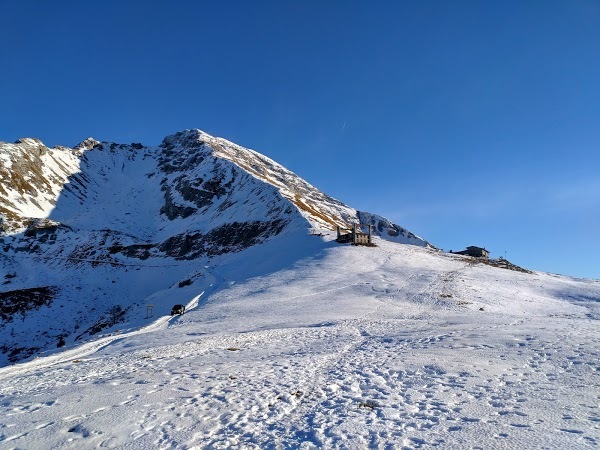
87,144
32,142
209,171
321,210
191,198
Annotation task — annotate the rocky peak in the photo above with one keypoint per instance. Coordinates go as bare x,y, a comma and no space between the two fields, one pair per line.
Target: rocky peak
32,142
87,144
186,139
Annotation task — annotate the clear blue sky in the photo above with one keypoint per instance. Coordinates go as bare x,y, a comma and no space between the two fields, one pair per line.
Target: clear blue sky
468,122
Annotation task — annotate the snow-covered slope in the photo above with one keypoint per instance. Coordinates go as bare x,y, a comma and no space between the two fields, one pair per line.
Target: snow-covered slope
304,343
290,340
95,230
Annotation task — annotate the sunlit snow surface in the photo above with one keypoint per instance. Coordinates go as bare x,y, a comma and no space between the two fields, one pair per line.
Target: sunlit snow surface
345,347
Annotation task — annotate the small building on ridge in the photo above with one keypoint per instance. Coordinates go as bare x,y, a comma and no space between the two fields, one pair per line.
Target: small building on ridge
476,252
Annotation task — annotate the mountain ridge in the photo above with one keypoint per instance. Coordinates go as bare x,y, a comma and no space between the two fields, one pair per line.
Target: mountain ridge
320,209
76,222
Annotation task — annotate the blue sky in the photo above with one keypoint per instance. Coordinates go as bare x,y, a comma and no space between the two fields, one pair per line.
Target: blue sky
467,122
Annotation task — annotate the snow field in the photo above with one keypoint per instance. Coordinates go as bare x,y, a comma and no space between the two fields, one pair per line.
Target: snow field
347,348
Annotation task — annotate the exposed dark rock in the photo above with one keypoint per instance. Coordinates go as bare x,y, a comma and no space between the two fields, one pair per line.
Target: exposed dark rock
16,354
184,246
172,210
232,237
240,235
501,263
186,138
140,251
22,300
42,227
198,196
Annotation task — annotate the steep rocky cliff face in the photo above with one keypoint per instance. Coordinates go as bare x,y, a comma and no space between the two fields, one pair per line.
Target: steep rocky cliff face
91,226
31,179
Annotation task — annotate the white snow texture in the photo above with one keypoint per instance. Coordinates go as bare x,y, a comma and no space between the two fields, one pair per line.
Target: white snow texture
289,340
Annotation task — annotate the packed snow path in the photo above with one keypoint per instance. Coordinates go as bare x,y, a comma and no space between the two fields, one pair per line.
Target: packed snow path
353,348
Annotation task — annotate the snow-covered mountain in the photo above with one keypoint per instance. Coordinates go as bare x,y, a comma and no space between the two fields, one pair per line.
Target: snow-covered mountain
80,227
203,181
290,340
